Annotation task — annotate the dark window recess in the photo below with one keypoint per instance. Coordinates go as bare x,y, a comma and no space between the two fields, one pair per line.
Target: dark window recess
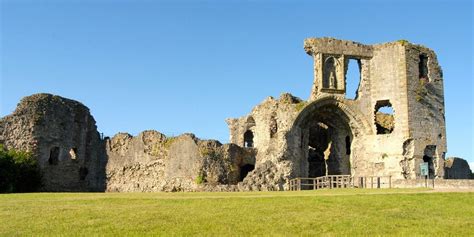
244,170
250,122
302,140
423,67
348,145
248,139
273,126
83,171
429,153
53,156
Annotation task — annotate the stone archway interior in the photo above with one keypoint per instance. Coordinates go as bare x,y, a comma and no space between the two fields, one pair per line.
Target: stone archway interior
330,136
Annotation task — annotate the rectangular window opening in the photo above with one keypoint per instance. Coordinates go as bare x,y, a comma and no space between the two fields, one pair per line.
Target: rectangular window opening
352,78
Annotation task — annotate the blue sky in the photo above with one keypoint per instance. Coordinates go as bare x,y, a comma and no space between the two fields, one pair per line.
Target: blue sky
185,66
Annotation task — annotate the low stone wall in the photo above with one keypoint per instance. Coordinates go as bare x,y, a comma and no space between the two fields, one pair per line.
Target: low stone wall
434,183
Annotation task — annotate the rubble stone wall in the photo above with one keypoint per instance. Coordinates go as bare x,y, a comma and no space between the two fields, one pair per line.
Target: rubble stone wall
457,168
63,137
152,162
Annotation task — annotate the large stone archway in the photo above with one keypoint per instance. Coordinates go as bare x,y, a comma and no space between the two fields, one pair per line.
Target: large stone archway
326,128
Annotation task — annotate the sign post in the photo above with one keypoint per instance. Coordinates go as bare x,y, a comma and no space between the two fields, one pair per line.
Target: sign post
424,172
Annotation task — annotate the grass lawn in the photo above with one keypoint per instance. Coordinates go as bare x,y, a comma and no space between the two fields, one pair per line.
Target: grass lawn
323,212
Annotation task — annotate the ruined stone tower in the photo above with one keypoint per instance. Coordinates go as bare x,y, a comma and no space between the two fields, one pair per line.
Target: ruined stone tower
395,122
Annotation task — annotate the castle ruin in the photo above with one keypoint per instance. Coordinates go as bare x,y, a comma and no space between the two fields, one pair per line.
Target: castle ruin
395,122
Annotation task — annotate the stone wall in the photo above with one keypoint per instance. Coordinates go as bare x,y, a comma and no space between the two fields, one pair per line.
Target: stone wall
269,123
152,162
434,183
62,136
426,109
457,168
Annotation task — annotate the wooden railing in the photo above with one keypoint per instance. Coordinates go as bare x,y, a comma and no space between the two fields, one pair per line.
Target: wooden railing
372,182
329,181
340,181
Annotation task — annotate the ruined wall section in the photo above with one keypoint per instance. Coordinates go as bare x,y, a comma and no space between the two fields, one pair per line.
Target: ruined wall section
382,85
384,152
134,163
153,162
273,119
330,62
63,137
426,108
17,129
457,168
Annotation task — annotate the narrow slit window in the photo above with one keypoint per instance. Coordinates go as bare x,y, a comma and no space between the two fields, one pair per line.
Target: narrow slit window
54,156
73,153
423,67
348,145
353,76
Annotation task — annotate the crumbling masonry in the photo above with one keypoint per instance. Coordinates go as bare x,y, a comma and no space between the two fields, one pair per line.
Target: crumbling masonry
395,122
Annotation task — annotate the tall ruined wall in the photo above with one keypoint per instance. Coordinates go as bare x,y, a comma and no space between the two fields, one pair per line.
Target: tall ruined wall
426,109
152,162
397,141
62,136
382,84
387,83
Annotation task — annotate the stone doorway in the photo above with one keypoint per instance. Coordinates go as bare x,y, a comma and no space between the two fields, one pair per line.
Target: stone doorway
325,132
329,143
244,170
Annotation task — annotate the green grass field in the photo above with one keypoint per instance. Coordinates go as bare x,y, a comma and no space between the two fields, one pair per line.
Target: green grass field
325,212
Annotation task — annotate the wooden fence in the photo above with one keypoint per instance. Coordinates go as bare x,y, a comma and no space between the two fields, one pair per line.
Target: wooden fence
340,181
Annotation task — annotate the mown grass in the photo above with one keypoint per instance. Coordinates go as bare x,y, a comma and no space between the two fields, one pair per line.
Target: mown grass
328,212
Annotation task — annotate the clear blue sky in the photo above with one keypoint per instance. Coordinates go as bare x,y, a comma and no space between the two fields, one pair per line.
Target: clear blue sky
185,66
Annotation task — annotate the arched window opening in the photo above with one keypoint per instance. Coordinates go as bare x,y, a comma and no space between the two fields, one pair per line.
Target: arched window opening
248,139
